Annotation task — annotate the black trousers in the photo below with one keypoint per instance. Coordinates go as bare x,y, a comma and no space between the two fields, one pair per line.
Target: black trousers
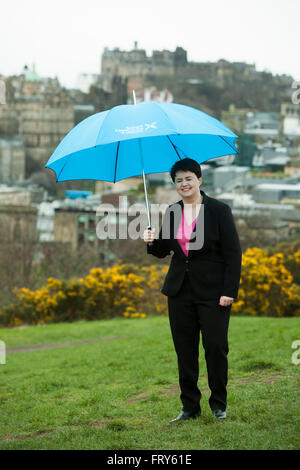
188,316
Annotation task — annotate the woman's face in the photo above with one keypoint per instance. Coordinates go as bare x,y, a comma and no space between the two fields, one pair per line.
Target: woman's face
187,183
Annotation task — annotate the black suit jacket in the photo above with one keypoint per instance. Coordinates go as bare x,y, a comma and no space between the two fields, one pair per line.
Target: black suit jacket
215,263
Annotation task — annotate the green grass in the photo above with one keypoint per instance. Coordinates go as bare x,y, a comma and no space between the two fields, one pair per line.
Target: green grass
121,393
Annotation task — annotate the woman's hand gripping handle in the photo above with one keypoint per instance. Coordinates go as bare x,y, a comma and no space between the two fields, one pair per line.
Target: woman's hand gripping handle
149,236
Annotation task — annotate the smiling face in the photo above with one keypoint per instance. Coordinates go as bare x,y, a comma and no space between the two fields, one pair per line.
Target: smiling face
187,184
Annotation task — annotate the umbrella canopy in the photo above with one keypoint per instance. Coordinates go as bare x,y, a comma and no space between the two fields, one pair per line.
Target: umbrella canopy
130,140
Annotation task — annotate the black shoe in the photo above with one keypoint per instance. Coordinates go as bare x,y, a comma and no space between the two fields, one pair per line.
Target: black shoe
184,415
220,414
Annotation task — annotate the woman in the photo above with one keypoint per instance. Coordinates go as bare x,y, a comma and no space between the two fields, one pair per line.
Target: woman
201,284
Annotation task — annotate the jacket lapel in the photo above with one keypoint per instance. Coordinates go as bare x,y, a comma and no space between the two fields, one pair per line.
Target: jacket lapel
176,222
202,219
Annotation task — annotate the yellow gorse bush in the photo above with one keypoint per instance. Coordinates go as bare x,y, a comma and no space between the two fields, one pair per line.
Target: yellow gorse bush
267,287
130,312
43,302
116,291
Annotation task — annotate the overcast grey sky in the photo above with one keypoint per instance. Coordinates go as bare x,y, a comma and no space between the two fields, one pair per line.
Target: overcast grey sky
67,37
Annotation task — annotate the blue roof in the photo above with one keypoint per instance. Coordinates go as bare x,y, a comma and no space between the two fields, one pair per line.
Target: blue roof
73,193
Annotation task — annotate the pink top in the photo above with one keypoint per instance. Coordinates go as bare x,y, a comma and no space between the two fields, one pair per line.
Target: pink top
184,234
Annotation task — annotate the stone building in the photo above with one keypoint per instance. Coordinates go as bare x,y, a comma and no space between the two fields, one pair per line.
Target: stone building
12,160
19,221
80,226
39,111
290,119
45,123
136,62
2,90
108,91
18,246
17,195
261,124
235,118
293,168
77,227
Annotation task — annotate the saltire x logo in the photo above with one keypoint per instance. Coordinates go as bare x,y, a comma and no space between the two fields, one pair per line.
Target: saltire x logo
137,129
150,126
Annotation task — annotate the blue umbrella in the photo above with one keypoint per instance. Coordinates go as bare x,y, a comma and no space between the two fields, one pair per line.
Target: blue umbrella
131,140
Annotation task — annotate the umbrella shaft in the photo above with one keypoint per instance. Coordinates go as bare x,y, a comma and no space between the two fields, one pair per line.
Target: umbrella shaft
146,196
144,180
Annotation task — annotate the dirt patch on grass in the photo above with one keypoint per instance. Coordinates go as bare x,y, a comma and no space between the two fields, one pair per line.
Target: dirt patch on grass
173,388
10,437
36,435
267,379
101,422
140,396
42,347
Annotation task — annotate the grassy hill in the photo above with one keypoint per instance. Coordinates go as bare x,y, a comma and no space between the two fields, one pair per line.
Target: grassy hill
113,384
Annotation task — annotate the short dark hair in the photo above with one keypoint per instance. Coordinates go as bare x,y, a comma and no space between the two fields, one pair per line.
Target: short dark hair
186,164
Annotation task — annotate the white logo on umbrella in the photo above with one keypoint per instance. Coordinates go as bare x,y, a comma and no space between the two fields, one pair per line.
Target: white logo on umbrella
137,129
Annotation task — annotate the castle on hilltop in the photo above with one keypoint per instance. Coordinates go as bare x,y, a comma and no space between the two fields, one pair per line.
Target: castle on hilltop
137,63
167,63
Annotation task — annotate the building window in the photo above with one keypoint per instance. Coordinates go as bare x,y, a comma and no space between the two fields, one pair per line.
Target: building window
91,238
91,223
80,238
81,221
